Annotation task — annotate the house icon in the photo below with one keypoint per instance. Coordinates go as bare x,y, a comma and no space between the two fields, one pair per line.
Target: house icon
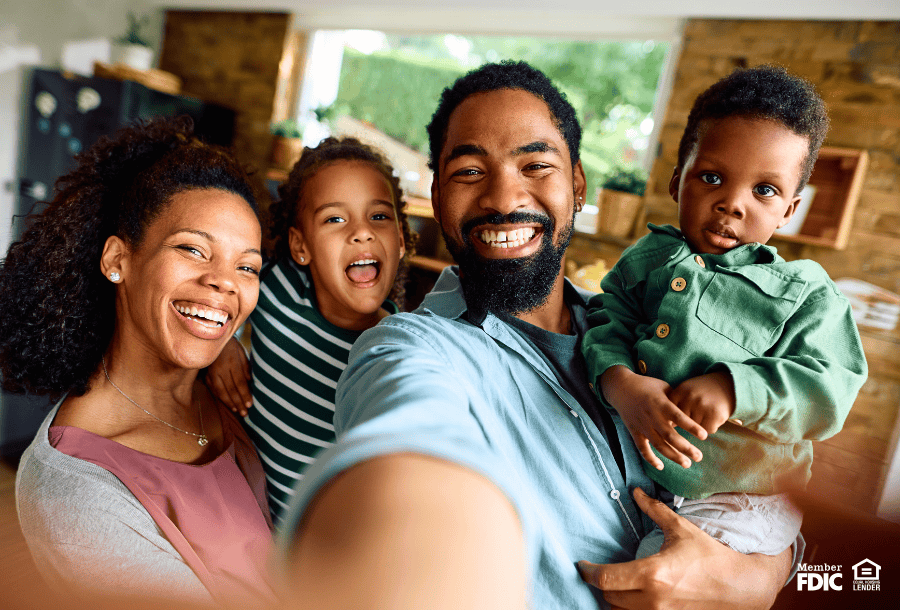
866,570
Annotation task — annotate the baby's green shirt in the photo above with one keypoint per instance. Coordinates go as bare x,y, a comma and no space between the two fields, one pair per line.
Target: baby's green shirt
782,330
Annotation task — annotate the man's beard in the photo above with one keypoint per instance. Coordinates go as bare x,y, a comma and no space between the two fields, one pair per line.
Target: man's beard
510,286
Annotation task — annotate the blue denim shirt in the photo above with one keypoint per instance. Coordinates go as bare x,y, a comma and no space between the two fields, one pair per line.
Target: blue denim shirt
480,396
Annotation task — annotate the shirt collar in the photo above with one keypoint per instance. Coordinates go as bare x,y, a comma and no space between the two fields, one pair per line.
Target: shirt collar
747,254
446,298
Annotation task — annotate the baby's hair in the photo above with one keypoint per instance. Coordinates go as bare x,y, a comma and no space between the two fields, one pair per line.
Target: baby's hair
767,93
507,74
285,213
57,310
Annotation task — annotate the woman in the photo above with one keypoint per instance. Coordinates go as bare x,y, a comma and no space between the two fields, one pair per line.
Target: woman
132,280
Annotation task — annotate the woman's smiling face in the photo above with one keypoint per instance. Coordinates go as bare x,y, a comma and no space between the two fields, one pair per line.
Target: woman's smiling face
193,279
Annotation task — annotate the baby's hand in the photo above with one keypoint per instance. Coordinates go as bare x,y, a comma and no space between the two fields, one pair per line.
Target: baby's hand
708,399
651,416
228,378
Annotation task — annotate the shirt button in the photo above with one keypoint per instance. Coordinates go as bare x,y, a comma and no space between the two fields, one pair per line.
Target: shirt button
678,284
662,331
642,367
614,494
699,260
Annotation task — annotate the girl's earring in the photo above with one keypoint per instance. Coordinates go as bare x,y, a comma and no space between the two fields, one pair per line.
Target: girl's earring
114,276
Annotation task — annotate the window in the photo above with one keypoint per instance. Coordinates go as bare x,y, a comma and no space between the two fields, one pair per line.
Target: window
392,83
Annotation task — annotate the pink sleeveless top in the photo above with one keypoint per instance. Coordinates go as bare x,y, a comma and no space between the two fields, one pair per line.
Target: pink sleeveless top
214,514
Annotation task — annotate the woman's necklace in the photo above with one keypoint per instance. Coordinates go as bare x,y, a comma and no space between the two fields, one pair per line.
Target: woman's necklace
201,438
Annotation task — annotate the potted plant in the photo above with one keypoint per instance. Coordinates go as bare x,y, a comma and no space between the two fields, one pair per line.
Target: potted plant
620,200
287,143
133,49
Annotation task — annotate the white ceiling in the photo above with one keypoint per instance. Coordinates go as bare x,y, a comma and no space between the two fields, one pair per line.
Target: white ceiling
638,19
769,9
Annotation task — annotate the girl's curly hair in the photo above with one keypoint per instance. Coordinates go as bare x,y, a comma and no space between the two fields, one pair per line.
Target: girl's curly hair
57,310
285,213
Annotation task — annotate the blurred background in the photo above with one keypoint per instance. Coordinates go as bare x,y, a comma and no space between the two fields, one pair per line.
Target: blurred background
267,77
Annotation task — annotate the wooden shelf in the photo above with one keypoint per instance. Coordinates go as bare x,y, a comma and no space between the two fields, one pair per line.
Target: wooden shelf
277,174
838,177
154,79
419,207
432,254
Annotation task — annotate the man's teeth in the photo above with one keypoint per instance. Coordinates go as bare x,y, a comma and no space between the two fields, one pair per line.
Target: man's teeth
507,239
368,261
199,312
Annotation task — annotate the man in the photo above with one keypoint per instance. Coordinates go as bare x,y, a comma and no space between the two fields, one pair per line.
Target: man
475,466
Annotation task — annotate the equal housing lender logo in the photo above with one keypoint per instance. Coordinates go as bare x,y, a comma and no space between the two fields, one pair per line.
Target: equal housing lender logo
866,576
828,577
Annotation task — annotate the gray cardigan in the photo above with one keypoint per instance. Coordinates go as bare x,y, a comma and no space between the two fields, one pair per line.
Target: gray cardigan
87,531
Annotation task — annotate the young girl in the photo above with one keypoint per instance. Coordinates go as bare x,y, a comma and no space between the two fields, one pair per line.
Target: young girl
340,242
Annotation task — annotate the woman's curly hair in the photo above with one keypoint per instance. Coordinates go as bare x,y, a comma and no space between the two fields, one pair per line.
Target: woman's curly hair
57,310
285,213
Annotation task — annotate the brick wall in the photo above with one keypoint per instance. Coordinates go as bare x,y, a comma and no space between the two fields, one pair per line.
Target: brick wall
856,68
232,59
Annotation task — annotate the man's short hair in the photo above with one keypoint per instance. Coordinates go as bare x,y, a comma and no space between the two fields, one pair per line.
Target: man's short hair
764,92
504,75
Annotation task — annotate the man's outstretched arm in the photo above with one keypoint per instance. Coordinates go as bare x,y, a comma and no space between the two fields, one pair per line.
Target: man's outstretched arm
408,531
692,570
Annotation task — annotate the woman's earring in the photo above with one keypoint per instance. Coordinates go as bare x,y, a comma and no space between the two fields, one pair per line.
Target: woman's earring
302,259
114,276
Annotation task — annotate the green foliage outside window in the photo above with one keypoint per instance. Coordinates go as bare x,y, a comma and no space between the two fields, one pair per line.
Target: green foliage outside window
625,180
288,128
612,86
395,94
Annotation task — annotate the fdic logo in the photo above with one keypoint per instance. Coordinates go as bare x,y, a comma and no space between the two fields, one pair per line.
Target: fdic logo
822,577
827,577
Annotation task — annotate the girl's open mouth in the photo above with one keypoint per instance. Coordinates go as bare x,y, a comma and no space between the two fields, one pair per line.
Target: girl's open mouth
363,271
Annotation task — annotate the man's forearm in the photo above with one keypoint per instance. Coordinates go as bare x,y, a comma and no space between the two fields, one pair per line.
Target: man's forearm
408,531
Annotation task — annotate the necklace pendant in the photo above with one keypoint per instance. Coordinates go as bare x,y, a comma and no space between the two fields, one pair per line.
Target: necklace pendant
203,441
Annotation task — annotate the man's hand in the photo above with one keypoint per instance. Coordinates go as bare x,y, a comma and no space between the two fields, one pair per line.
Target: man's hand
651,416
425,533
228,378
692,570
708,399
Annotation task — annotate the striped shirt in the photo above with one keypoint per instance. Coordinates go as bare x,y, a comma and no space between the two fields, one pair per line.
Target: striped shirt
297,357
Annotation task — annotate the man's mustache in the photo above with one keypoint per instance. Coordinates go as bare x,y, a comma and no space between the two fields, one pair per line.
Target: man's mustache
512,218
